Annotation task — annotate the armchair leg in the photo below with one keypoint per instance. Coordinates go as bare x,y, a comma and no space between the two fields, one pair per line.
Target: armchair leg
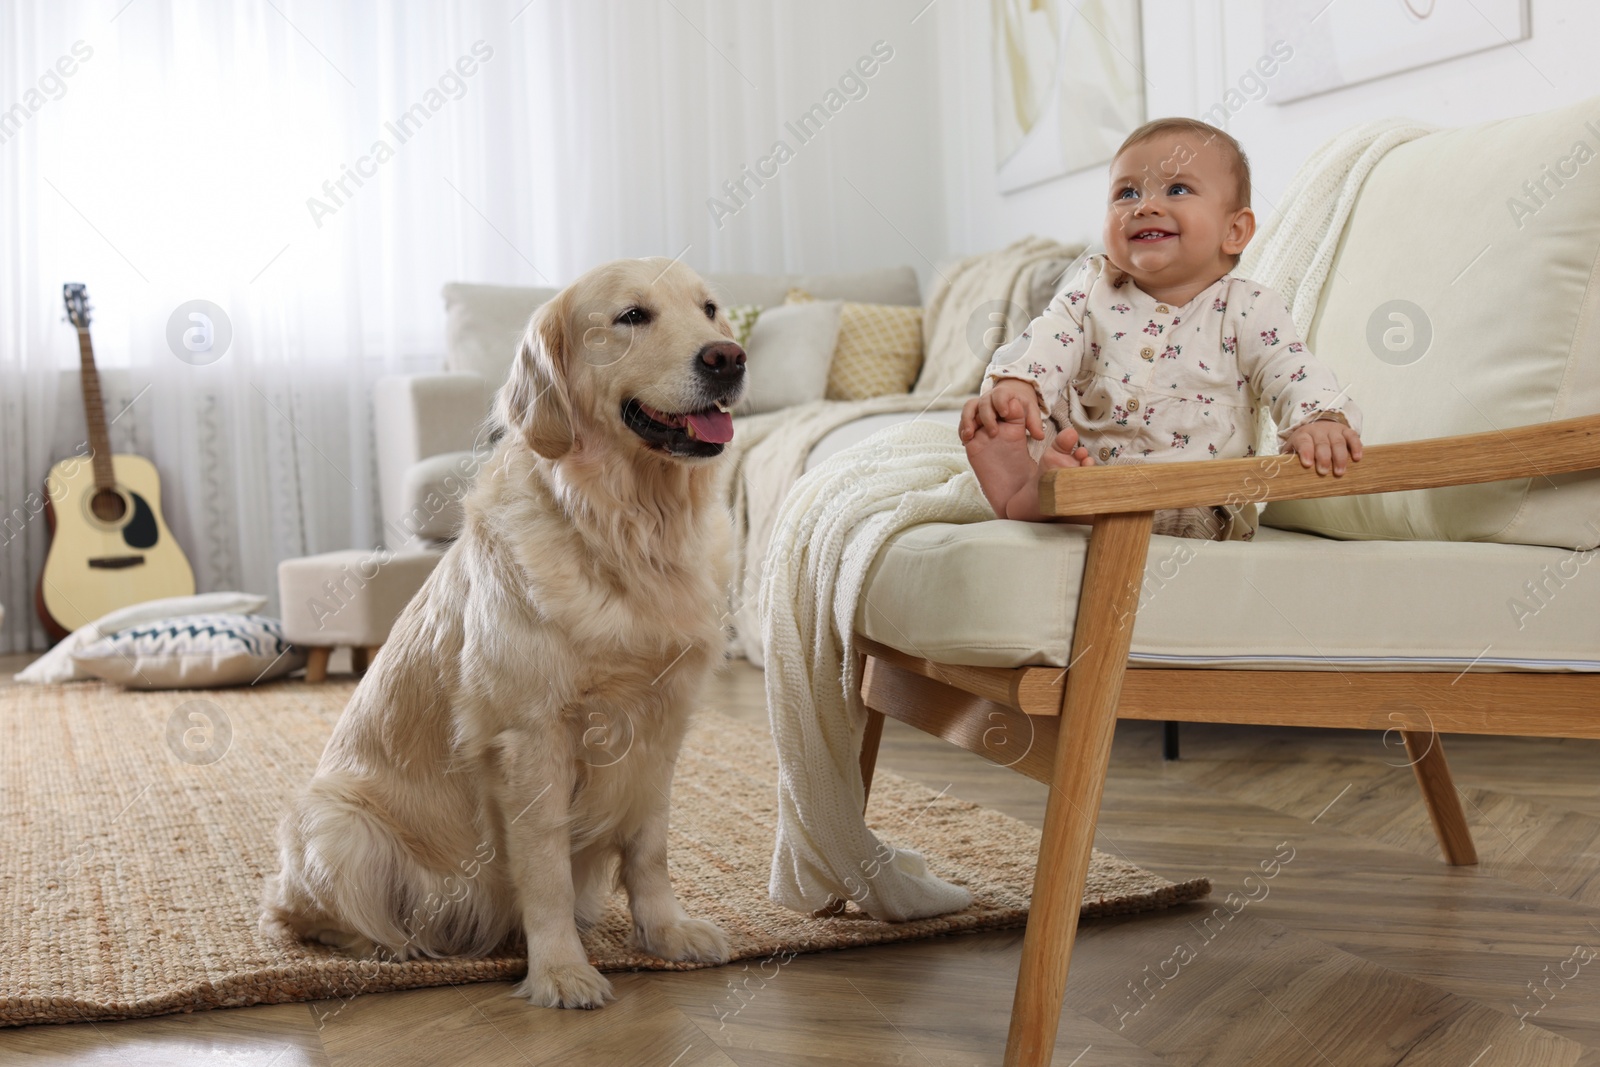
1107,604
1169,741
869,752
1439,792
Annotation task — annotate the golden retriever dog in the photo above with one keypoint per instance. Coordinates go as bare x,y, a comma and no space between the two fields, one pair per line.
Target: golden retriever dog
507,760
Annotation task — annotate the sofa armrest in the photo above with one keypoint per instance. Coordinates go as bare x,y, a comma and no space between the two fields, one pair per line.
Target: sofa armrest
1522,452
416,416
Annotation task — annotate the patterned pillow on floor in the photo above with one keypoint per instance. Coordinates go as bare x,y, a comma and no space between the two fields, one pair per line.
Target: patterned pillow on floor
193,652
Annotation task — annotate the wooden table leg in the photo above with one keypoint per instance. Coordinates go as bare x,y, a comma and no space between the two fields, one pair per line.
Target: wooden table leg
358,659
1112,577
317,664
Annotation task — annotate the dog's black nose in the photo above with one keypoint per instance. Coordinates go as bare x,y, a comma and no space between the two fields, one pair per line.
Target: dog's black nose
722,359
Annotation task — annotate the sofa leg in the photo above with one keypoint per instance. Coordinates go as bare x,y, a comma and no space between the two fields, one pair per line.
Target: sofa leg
1107,603
1426,750
317,665
358,659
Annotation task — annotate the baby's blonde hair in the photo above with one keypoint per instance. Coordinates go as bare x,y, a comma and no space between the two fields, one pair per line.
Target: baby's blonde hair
1207,134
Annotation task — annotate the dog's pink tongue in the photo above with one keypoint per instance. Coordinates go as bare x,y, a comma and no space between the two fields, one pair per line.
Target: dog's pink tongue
714,426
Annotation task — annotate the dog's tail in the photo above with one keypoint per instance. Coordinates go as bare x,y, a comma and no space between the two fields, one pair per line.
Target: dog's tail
363,874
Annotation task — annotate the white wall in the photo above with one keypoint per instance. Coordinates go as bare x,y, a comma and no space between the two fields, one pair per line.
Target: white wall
1193,51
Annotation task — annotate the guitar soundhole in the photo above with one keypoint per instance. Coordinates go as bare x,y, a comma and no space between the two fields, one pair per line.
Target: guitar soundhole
108,505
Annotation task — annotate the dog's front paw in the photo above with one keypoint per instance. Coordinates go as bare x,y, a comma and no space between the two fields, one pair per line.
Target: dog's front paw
564,985
687,939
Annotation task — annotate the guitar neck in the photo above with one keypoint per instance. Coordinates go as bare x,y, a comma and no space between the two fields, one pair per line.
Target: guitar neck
94,414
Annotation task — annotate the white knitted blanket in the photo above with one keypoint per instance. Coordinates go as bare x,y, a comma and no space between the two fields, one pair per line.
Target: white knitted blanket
837,518
832,525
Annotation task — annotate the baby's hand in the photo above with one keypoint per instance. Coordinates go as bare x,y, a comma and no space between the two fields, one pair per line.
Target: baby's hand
1327,442
1011,400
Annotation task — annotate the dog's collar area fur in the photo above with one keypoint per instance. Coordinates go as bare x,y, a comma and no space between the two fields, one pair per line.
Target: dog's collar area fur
662,437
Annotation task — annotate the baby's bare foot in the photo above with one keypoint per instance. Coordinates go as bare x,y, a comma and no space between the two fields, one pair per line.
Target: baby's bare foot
1064,452
1000,460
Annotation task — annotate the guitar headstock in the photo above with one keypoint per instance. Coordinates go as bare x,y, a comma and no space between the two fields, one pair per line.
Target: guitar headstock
76,296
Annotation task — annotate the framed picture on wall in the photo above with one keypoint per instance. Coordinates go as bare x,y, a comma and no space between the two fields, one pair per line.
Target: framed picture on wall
1068,85
1353,41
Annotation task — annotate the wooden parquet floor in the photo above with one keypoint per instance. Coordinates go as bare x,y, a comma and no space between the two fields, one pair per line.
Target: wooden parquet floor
1361,948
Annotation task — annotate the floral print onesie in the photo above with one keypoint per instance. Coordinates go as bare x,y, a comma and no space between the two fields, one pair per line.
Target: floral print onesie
1143,381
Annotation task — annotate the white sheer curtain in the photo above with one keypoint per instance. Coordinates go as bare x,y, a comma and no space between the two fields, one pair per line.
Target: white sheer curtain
231,153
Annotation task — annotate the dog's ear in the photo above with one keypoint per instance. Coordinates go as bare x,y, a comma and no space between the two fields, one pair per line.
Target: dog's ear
533,401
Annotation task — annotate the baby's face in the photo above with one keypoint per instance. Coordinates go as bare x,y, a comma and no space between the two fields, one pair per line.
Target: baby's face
1172,219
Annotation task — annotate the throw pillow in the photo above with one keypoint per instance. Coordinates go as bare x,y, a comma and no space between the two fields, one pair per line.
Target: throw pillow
742,317
57,666
790,349
879,350
193,652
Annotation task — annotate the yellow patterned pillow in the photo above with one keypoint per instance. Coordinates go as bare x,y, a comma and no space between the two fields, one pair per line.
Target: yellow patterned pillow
742,317
879,350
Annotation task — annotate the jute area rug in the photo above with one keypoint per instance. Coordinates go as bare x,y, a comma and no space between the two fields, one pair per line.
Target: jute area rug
141,827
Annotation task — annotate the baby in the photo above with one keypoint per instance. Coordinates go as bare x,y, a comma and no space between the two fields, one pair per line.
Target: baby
1155,352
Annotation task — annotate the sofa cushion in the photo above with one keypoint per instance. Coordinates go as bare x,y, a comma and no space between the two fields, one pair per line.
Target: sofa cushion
790,349
1463,298
879,350
1373,605
484,323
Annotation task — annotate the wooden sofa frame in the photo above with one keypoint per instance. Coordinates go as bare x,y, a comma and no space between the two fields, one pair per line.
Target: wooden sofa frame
1083,702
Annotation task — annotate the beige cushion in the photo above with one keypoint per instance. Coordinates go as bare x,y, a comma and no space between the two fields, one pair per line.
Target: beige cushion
789,352
1004,594
351,597
1511,298
484,323
879,351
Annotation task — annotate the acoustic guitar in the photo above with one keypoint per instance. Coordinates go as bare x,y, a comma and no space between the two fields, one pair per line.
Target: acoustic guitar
109,544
